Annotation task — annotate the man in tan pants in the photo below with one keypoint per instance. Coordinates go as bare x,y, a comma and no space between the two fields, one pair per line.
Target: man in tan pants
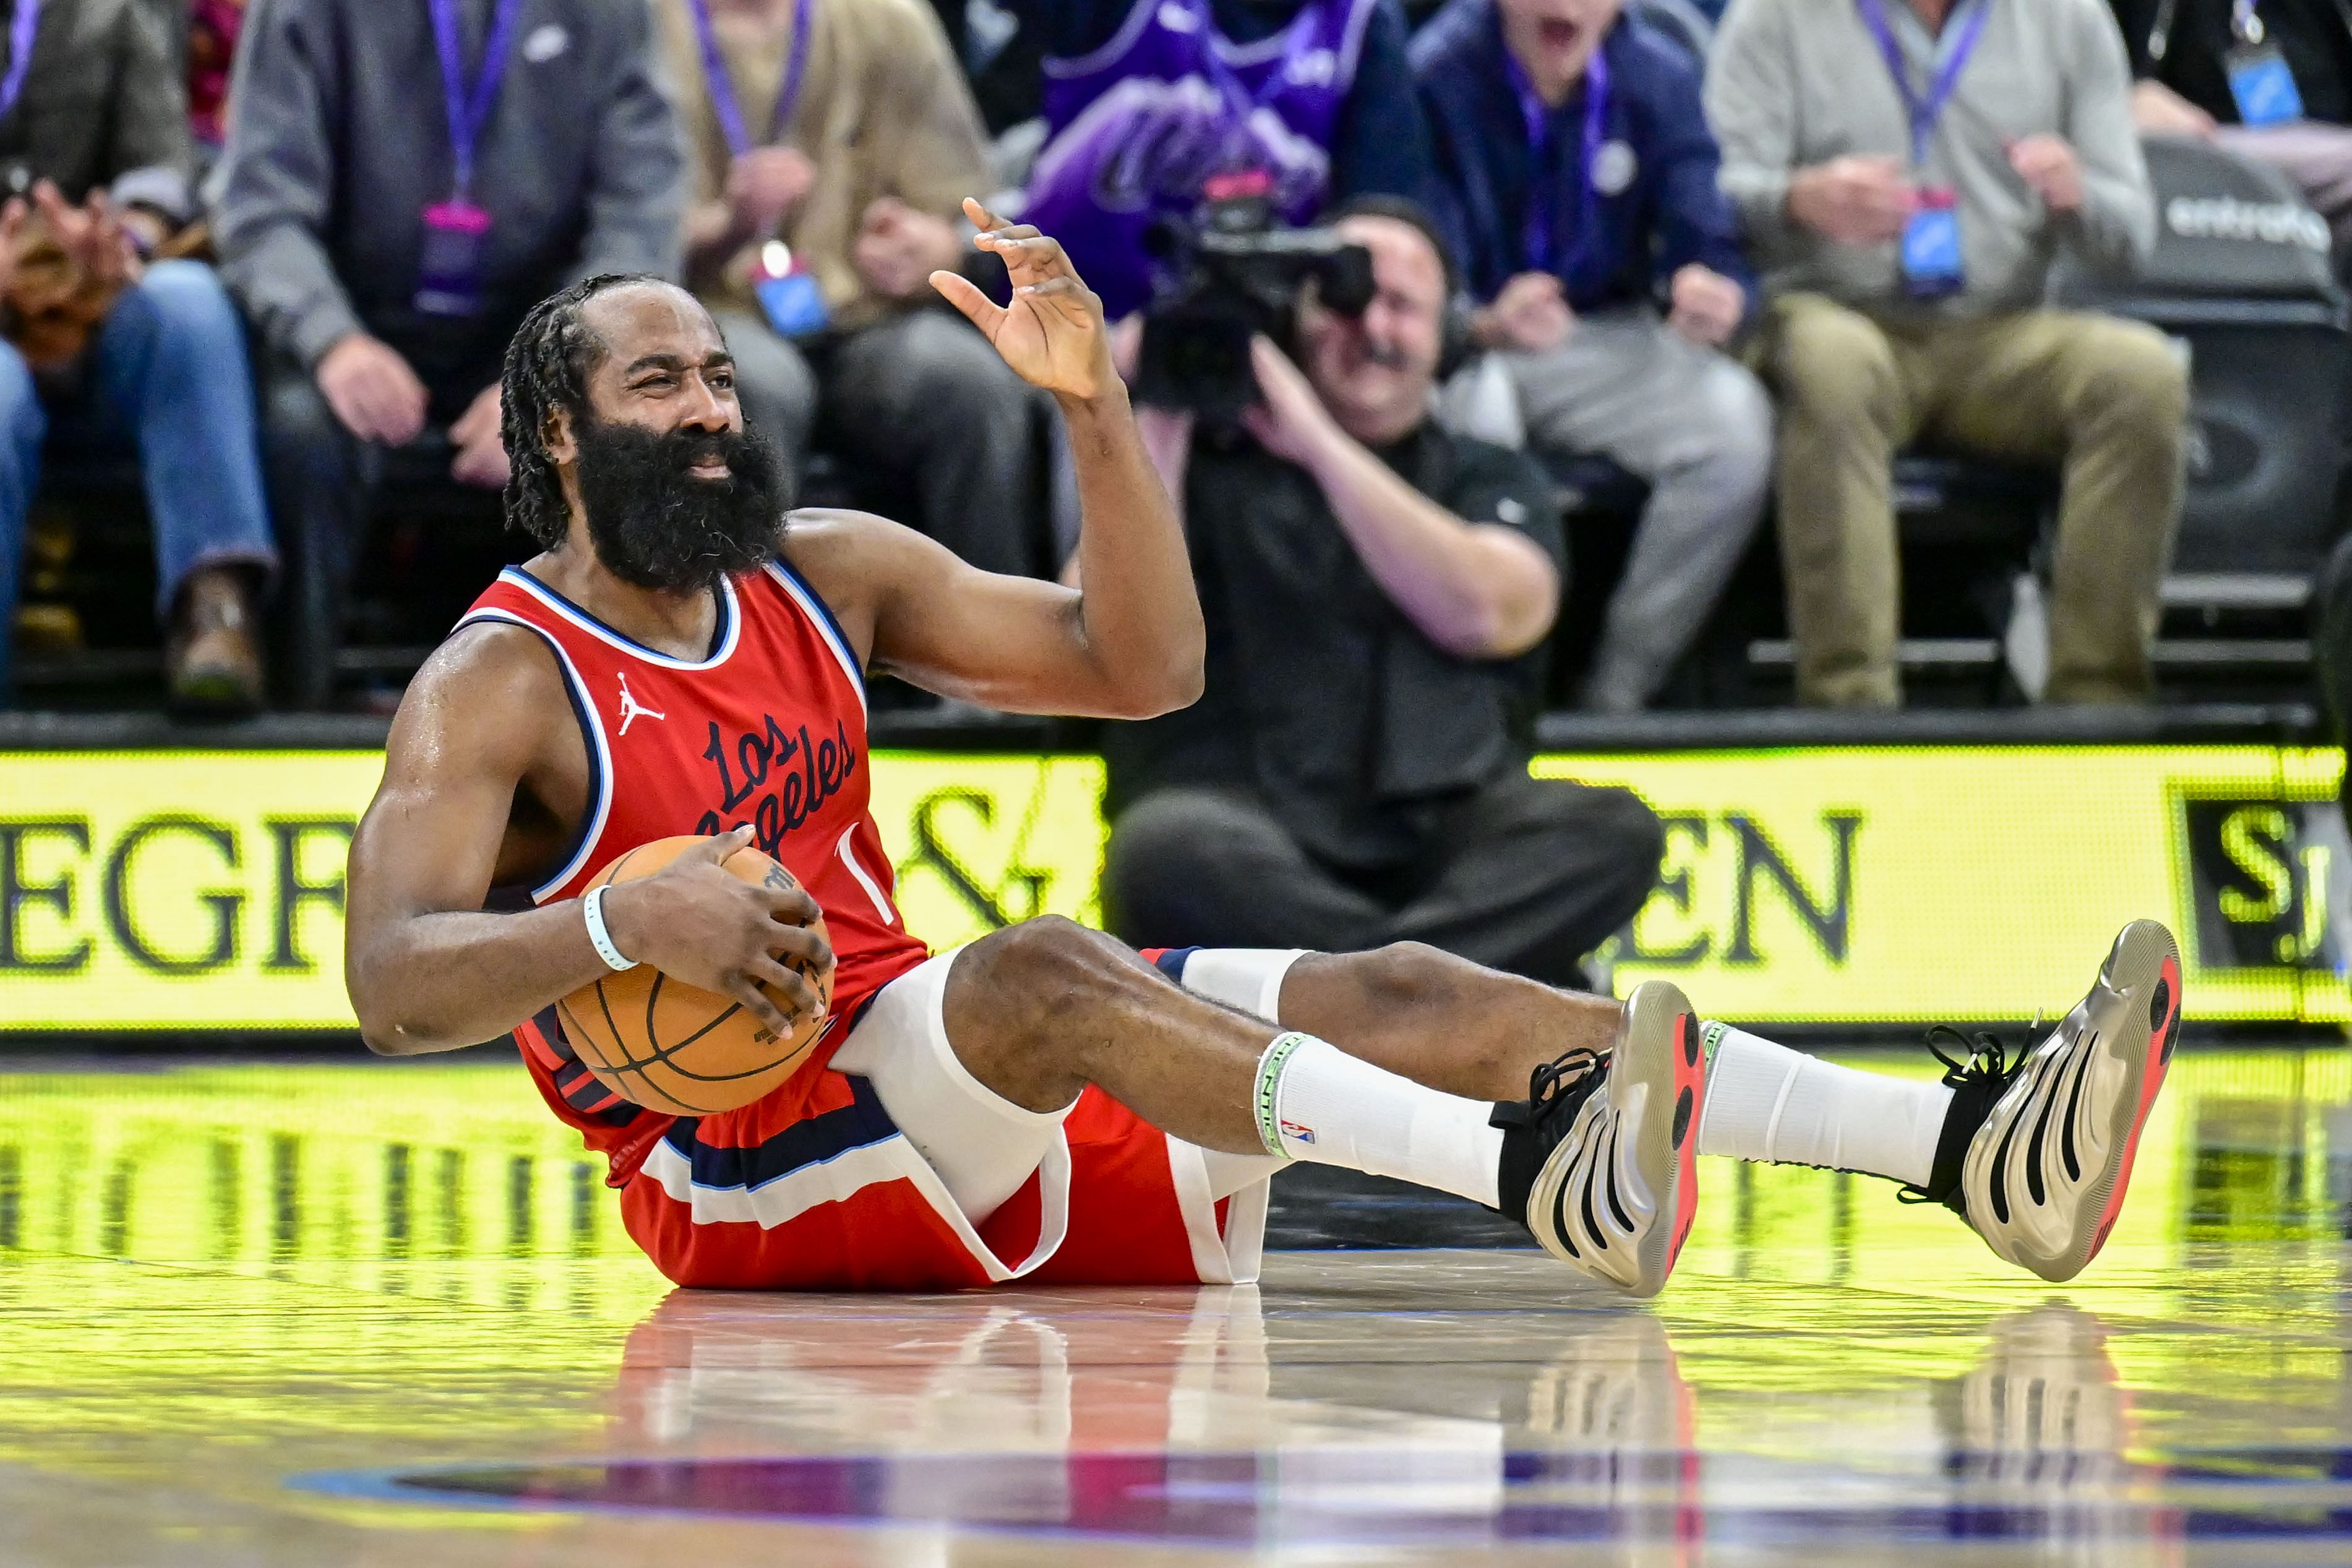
1906,224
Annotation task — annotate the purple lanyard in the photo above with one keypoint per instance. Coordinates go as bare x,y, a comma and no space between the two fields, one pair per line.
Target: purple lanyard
1537,232
1925,111
21,28
722,86
469,112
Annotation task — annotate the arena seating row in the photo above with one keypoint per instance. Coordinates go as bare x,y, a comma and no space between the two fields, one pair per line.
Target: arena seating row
2240,278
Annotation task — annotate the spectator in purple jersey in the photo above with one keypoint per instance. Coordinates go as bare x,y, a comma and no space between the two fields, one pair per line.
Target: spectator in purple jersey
1146,99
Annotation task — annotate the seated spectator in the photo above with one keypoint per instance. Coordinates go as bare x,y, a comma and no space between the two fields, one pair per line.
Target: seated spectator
2272,83
1577,180
387,252
107,353
1146,99
855,150
1353,774
1905,231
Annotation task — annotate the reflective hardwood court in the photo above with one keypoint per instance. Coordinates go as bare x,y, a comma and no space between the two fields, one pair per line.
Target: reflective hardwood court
283,1314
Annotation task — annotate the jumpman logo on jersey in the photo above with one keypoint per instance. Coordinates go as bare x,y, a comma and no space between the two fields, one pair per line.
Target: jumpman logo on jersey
632,709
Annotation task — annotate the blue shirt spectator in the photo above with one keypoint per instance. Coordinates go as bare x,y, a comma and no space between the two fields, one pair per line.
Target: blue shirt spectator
1578,183
1667,213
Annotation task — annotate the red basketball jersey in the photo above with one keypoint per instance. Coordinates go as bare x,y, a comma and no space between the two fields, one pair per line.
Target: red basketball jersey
769,730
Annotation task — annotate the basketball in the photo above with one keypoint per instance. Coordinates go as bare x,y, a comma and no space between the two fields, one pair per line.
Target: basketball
667,1046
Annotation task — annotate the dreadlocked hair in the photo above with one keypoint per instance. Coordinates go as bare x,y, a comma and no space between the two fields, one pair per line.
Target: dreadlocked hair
547,368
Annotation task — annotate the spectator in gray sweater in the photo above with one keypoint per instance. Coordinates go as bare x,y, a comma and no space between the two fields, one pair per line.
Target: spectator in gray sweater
1906,171
403,180
94,130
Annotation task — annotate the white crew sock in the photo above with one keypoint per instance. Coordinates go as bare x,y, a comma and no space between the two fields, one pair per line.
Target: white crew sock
1314,1101
1765,1102
1249,978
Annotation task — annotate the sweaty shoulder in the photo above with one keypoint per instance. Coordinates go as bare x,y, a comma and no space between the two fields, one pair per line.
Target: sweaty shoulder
491,692
854,560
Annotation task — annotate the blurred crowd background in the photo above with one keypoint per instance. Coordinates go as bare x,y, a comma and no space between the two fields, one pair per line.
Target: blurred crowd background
1506,357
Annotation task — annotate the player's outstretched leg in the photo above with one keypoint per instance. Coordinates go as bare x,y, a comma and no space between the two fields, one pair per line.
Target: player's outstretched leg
2035,1154
1597,1158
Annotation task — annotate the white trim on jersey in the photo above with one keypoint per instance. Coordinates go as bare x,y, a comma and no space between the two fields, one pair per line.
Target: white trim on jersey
848,853
595,727
1352,43
821,618
604,634
1138,17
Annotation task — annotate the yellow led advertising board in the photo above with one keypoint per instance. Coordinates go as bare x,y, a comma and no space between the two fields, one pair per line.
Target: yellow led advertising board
190,890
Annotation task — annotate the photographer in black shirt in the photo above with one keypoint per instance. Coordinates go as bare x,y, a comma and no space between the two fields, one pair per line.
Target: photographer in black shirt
1355,772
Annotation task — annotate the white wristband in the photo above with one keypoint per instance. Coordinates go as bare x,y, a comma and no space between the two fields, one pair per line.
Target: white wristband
598,937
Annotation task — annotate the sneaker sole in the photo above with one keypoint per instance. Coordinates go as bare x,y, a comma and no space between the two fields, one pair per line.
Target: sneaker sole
1659,1055
2144,946
2144,969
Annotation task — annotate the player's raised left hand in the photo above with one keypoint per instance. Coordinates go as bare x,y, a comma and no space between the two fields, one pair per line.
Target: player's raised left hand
1053,332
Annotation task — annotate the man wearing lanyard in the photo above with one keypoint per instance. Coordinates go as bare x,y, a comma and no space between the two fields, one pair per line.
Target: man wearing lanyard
830,142
1906,170
403,180
94,167
1578,180
2267,80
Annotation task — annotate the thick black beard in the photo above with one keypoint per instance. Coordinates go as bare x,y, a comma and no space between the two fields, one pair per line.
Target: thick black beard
654,525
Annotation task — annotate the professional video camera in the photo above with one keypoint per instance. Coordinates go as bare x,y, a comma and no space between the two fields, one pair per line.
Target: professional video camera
1240,276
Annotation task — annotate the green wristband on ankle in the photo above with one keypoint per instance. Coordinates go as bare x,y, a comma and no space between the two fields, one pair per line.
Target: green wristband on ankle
1269,1071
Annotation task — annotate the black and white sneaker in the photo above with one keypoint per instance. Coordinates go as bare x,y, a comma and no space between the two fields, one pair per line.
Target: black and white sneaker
1600,1161
2036,1155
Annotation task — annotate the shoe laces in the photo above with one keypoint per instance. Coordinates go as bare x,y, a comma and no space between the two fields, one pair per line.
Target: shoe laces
1566,1073
1978,1077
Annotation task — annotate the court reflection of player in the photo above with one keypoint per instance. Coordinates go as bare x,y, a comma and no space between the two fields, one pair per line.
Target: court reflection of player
1143,1413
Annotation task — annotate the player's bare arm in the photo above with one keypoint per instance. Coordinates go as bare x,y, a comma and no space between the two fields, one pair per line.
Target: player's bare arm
1130,646
485,774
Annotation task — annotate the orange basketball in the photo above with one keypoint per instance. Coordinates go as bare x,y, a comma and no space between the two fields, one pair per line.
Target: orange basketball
667,1046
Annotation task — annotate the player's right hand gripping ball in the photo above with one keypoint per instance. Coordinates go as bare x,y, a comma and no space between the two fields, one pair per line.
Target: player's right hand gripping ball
675,1048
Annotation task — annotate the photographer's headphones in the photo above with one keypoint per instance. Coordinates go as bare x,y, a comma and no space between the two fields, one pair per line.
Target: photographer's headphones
1453,345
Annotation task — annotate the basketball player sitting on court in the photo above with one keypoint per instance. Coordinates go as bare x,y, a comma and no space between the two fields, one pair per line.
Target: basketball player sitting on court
1043,1104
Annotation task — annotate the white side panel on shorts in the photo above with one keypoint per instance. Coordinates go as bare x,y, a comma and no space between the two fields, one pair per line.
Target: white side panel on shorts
1231,1257
789,1196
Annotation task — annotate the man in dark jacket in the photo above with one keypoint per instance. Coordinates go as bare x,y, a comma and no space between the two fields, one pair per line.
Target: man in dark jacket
403,180
94,166
1576,179
1354,773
